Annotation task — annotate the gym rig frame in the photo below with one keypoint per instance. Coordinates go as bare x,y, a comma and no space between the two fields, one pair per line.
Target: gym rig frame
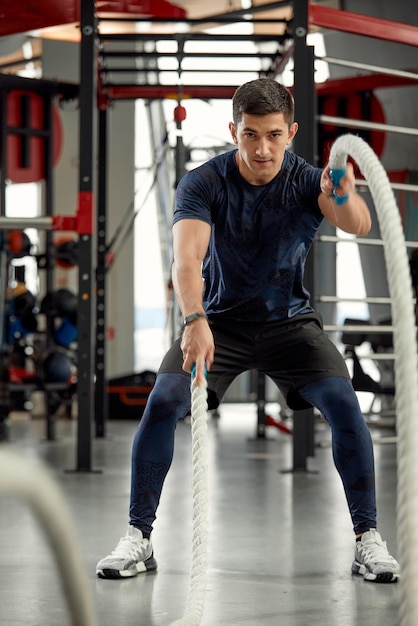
95,95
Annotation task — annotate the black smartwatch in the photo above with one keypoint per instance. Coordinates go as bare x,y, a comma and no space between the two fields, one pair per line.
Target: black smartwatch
192,317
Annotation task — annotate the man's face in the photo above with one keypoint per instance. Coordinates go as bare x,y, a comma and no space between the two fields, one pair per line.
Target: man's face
261,141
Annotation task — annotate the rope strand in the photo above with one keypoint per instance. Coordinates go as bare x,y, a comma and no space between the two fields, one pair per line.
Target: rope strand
406,364
200,540
198,575
30,480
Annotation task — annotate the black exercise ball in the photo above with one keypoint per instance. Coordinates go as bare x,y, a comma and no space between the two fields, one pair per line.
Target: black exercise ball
21,300
58,368
23,304
60,303
66,252
65,302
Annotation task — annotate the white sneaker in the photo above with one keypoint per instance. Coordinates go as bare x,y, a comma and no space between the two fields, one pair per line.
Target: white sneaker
132,555
373,561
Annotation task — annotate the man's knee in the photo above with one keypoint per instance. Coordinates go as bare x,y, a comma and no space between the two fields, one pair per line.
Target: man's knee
169,396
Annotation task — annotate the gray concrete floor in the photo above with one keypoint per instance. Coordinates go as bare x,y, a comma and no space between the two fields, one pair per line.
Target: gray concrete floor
281,543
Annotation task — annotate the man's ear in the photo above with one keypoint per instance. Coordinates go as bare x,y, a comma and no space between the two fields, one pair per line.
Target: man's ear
233,132
292,132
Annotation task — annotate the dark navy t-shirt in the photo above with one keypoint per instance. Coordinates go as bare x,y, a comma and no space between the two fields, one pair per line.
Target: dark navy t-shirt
260,237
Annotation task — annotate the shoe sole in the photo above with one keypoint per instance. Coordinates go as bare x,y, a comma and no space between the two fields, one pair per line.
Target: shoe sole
382,577
144,566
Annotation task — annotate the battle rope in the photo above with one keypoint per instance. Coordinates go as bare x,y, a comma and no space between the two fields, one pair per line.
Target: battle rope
406,364
198,576
29,480
406,374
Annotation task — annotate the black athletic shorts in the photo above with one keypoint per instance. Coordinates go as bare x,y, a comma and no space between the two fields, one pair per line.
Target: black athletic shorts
291,352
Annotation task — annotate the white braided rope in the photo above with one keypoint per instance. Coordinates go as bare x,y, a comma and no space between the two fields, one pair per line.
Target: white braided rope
406,375
198,575
30,480
406,365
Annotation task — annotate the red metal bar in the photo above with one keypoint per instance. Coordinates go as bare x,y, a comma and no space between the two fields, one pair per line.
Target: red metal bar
64,222
359,24
18,17
82,222
151,8
366,82
205,92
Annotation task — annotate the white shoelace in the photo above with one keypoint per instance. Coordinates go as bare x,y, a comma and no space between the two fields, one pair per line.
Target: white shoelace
376,551
127,547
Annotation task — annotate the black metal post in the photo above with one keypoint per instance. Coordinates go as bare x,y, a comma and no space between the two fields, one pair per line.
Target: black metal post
305,142
101,396
48,142
85,384
305,145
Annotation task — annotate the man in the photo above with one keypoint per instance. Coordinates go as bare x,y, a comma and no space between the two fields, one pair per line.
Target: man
243,225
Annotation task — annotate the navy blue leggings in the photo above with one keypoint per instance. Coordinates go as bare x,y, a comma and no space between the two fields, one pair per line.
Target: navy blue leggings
334,397
352,445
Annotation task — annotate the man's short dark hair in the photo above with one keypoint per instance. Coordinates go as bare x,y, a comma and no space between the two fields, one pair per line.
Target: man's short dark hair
261,97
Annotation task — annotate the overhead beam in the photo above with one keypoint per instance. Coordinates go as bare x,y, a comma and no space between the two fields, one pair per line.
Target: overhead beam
26,15
360,24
